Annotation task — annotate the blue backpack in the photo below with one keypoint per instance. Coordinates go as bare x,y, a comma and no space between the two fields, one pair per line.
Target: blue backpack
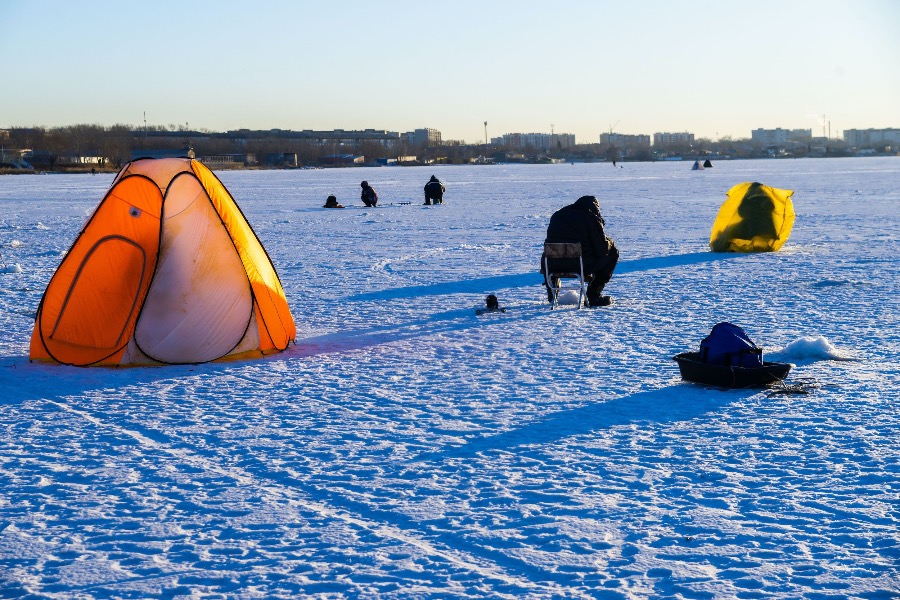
728,345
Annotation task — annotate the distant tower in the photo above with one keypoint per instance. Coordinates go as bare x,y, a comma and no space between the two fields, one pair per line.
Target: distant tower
485,133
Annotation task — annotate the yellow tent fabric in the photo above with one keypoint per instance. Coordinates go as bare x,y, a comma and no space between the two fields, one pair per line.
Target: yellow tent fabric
754,218
167,270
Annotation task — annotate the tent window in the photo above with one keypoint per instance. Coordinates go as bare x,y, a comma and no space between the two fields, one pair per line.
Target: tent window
103,297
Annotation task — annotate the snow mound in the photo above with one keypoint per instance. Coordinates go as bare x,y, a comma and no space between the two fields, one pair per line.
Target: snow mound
809,349
11,268
568,297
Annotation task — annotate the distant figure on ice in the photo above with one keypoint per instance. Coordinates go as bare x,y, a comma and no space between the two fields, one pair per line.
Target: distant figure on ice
331,202
581,222
368,194
434,191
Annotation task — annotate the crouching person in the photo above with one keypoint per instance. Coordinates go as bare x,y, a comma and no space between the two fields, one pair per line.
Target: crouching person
581,222
368,195
434,191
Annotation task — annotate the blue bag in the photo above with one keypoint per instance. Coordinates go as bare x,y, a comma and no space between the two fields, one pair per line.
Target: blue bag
728,345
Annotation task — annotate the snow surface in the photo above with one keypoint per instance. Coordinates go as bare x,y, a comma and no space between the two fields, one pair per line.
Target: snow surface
405,447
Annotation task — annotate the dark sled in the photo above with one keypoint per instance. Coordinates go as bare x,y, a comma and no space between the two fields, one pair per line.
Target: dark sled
725,376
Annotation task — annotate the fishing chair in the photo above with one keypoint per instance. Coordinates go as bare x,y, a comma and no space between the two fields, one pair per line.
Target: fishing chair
562,261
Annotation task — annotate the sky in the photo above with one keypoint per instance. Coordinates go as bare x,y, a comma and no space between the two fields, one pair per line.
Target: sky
715,69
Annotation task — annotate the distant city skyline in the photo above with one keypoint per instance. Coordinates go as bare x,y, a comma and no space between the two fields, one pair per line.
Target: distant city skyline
579,67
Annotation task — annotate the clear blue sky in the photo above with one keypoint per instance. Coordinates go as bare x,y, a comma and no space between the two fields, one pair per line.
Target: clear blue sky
582,67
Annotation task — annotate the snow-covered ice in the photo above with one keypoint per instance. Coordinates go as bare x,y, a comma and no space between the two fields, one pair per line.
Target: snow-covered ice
405,447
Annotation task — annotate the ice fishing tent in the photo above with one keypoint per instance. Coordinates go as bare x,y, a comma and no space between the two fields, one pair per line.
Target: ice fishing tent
754,218
166,270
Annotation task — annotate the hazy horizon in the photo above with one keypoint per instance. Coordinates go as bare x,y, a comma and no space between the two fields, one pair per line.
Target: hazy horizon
580,67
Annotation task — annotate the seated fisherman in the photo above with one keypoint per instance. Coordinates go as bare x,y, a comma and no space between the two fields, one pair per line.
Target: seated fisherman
581,222
434,191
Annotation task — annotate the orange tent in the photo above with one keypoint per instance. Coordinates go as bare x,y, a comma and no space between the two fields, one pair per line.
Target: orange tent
166,271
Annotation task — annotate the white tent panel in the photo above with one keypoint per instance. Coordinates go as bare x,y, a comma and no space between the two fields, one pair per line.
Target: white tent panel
251,338
199,304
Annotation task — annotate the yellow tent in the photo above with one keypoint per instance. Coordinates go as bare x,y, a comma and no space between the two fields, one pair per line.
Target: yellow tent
167,270
754,218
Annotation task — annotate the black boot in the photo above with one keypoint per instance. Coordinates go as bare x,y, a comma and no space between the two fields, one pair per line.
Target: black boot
595,300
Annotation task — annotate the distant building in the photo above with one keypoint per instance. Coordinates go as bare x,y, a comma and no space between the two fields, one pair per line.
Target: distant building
227,160
12,155
427,138
40,159
351,138
664,139
163,153
621,139
282,159
538,141
320,138
861,138
72,158
513,140
779,136
562,141
343,159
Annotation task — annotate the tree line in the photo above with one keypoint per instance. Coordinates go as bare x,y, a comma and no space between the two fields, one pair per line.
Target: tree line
110,147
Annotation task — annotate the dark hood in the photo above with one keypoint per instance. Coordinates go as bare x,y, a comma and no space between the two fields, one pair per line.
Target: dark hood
588,203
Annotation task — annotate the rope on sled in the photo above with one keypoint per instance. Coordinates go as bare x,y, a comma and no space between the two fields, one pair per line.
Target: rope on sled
804,385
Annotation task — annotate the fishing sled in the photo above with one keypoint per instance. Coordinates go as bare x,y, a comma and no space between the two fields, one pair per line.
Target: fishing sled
729,359
729,376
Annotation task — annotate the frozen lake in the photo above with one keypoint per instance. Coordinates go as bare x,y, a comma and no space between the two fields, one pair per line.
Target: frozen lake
405,447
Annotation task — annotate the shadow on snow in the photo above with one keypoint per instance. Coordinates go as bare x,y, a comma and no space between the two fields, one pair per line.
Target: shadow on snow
497,282
679,402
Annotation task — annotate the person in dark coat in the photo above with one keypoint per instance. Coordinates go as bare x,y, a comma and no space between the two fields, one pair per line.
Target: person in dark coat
582,222
434,191
331,202
368,194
